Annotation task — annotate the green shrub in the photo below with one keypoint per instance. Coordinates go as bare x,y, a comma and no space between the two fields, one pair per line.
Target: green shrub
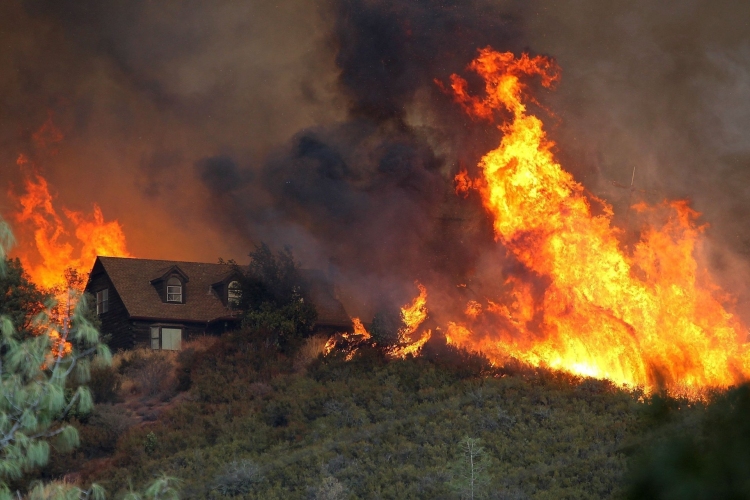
150,443
237,478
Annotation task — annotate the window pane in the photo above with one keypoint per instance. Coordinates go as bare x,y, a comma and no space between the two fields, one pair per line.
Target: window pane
154,337
174,293
171,339
234,293
102,301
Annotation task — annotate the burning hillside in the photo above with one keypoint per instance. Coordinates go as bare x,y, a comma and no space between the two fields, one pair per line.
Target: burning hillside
338,143
642,316
583,298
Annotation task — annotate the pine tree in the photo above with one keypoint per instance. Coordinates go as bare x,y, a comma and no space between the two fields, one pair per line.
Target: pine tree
470,475
35,366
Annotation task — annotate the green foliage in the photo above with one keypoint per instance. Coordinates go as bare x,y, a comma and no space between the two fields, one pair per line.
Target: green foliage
151,443
20,299
238,478
275,296
697,452
63,491
471,470
370,428
163,488
34,375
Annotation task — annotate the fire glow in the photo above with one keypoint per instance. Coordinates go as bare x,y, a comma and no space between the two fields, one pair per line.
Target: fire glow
54,253
650,317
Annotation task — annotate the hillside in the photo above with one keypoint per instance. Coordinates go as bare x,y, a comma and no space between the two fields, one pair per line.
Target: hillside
256,424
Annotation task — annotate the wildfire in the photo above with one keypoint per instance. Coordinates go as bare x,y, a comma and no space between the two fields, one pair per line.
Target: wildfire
54,252
649,317
359,329
412,316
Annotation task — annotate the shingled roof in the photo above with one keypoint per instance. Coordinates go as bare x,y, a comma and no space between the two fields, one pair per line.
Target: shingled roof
132,280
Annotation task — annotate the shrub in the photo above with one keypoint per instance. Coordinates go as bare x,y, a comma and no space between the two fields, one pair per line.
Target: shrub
330,489
385,326
238,478
105,384
103,428
150,443
309,352
149,373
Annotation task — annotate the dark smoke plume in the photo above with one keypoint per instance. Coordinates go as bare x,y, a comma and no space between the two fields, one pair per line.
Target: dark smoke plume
373,193
207,127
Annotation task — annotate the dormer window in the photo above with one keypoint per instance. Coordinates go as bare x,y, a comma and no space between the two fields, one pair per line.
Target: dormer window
234,294
174,290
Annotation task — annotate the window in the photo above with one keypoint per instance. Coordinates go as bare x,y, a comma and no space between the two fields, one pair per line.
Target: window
174,290
166,338
102,301
234,294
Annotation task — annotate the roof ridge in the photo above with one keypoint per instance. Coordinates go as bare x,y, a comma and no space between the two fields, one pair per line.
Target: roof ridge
163,260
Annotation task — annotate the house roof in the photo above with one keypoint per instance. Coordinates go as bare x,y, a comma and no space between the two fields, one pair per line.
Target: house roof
133,278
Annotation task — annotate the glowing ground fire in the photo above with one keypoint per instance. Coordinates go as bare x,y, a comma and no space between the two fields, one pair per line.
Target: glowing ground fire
647,317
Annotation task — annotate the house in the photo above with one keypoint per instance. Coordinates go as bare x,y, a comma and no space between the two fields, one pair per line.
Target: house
160,303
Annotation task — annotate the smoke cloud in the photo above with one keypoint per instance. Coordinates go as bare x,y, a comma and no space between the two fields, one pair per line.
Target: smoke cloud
207,128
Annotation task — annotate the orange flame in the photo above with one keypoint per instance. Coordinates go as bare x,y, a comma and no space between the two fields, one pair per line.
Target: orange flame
646,318
53,252
359,329
413,316
463,183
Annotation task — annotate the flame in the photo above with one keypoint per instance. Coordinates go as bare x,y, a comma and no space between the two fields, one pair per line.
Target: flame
413,316
650,317
463,183
53,252
359,329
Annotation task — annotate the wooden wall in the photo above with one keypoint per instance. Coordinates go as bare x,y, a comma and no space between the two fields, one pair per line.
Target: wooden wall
115,323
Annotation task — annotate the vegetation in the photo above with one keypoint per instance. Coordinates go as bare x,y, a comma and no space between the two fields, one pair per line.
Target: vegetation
276,297
251,426
698,451
43,369
36,362
20,300
244,417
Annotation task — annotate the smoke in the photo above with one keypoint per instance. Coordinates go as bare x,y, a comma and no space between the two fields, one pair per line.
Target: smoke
370,197
662,88
206,128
